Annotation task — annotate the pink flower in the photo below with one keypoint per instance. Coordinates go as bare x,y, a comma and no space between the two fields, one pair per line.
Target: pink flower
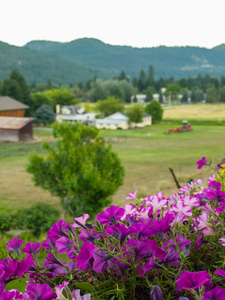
223,241
132,196
82,220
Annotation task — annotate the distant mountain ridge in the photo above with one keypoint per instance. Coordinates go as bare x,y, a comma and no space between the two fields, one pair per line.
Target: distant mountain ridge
82,59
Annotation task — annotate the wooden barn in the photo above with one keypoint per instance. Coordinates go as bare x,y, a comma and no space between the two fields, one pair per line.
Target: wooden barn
16,129
10,107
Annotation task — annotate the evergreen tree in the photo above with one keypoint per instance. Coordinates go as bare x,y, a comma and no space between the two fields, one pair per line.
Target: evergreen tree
15,86
44,114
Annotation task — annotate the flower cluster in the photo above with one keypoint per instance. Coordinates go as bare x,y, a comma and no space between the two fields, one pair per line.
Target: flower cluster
157,248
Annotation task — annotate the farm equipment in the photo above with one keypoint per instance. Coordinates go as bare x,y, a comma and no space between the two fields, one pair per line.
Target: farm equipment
185,127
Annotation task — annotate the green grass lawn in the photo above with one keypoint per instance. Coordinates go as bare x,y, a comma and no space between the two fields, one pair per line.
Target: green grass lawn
146,158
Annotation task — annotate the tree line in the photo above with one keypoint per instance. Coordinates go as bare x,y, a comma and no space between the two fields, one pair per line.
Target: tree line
122,87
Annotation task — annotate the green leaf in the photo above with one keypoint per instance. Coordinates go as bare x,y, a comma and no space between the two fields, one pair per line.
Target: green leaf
85,286
105,284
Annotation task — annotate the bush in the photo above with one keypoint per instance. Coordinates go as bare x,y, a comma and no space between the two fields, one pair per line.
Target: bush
155,110
37,218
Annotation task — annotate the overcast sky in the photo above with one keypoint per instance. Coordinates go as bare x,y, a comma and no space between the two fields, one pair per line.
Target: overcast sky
139,23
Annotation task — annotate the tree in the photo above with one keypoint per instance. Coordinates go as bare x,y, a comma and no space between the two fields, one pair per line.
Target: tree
222,94
142,81
135,113
172,90
37,100
79,168
109,106
61,97
44,114
15,86
155,110
151,75
212,95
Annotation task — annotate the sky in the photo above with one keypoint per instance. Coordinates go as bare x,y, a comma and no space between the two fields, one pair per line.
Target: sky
136,23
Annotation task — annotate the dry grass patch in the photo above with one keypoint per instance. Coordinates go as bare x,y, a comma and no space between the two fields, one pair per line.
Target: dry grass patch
201,111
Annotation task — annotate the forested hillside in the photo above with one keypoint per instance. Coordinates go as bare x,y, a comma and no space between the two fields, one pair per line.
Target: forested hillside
177,62
83,59
38,66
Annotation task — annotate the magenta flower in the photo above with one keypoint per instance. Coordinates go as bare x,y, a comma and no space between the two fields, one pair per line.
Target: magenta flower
111,215
49,243
217,293
84,255
64,244
172,257
156,293
220,272
100,260
8,295
32,248
191,280
14,245
202,162
40,292
58,229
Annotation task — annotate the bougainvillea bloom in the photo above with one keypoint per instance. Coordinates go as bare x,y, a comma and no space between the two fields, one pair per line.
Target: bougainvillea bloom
192,280
202,162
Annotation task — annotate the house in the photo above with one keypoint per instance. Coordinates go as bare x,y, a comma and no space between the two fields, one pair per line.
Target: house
16,129
119,120
74,114
140,99
10,107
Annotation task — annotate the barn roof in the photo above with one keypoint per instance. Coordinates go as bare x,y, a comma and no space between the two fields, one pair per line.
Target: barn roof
14,123
8,103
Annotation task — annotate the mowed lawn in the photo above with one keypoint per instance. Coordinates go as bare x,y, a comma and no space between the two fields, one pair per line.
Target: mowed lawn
199,111
146,155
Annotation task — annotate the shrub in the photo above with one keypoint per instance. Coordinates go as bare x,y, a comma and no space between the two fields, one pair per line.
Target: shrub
158,248
155,110
37,218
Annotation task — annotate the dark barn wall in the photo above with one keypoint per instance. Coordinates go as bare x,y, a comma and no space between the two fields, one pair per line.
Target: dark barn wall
26,133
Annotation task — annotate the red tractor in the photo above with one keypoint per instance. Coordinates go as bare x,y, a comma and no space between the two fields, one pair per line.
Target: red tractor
186,127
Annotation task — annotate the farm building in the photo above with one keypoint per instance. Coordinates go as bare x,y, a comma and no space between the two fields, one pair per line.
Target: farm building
10,107
16,129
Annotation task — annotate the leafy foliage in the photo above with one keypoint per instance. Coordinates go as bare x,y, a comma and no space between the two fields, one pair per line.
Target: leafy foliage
109,106
135,113
80,169
155,110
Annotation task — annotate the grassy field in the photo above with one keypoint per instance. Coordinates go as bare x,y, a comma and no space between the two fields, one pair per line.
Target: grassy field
145,153
201,111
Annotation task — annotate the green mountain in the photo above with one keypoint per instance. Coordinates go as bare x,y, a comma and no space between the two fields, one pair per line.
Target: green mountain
38,66
82,59
167,61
